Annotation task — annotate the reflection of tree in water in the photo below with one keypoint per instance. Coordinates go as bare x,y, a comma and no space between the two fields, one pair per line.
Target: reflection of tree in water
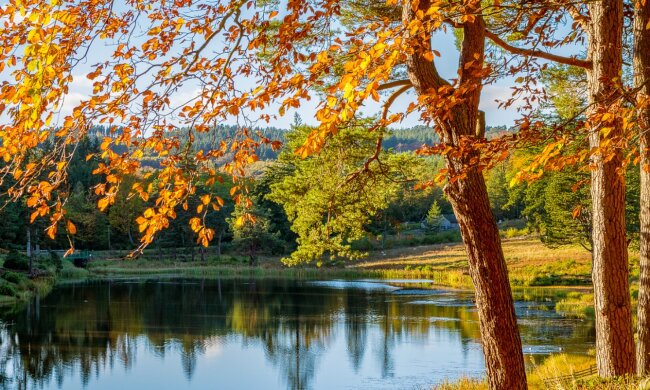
356,312
294,327
87,329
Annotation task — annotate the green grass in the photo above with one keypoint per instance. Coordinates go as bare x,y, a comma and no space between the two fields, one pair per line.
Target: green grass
576,304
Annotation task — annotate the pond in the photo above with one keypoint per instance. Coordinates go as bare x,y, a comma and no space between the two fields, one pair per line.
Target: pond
258,334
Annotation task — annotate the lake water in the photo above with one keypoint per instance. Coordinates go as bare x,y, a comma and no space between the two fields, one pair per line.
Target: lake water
258,334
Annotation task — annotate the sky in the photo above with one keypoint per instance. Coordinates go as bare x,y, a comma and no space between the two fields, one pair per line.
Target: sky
447,63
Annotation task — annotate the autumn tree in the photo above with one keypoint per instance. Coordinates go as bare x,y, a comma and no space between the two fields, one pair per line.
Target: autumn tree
244,60
641,63
600,24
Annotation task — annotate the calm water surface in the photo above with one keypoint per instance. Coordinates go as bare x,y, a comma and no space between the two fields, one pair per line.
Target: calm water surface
258,334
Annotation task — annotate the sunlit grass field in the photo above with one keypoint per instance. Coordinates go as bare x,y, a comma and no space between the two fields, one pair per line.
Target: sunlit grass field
530,263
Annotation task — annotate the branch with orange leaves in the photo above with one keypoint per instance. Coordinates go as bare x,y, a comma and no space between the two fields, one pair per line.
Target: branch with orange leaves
406,85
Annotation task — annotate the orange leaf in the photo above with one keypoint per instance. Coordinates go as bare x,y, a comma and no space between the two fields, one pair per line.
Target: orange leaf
72,229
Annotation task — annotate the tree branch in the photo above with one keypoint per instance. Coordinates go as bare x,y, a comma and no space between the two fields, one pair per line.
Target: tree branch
538,53
394,84
392,98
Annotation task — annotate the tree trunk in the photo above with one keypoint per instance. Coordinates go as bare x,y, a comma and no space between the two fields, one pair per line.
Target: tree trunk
29,242
128,231
641,81
219,242
614,336
468,195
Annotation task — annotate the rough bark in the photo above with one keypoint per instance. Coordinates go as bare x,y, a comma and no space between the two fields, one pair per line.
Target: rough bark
614,335
642,82
468,196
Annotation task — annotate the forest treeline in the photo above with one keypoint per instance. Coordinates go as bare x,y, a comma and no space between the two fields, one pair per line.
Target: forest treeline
400,214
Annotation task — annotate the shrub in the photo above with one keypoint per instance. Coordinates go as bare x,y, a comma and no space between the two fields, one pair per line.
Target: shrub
17,261
56,261
13,277
7,289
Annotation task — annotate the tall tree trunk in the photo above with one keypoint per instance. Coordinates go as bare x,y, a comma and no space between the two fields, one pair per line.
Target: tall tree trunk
219,235
29,250
128,231
29,242
469,199
614,335
642,81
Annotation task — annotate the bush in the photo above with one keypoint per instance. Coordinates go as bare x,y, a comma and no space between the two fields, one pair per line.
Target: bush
13,277
17,261
55,260
7,289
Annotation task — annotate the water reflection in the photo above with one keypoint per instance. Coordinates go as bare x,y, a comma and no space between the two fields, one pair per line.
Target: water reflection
256,334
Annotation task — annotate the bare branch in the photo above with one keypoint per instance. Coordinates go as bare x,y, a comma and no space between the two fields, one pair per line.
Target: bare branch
392,98
394,84
538,53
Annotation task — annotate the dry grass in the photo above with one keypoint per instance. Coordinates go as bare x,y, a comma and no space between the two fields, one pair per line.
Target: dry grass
463,384
529,261
552,368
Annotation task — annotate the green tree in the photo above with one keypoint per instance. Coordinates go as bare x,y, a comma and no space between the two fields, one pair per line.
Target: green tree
434,217
91,224
332,196
253,233
122,214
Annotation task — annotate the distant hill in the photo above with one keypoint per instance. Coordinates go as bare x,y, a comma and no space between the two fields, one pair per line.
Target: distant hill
400,140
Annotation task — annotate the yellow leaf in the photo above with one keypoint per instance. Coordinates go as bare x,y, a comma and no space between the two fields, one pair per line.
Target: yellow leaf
239,221
102,204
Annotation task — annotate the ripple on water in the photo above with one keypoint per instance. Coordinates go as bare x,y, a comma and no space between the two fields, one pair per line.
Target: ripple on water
446,302
412,291
354,284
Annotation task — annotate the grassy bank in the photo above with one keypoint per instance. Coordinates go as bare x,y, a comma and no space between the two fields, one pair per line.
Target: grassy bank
18,284
559,372
530,263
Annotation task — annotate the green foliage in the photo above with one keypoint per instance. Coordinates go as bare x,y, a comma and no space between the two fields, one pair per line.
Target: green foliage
7,289
434,217
14,277
254,236
90,222
331,197
498,191
566,86
17,261
123,212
